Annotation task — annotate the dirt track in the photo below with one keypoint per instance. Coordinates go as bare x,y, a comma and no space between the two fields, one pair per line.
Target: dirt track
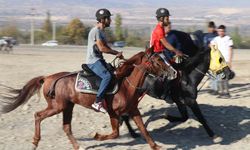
229,118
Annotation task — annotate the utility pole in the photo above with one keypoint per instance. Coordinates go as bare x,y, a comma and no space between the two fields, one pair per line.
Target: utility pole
54,31
32,32
32,14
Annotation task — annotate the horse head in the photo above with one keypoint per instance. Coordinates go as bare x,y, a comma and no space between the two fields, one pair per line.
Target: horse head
152,63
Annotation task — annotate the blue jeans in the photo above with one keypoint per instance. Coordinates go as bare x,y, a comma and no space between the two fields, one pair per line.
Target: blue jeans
100,70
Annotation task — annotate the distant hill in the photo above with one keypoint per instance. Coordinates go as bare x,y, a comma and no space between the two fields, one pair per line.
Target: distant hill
134,12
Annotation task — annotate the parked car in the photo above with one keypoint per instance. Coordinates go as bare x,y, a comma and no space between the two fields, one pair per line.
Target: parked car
50,43
10,40
119,44
3,42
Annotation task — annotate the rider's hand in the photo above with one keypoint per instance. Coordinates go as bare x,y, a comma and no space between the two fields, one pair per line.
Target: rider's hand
119,55
178,53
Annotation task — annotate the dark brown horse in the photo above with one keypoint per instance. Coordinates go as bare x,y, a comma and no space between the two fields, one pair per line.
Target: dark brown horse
124,101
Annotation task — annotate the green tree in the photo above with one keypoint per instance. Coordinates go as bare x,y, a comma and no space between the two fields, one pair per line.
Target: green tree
10,30
86,32
47,26
75,32
118,28
41,36
24,37
133,39
236,38
110,35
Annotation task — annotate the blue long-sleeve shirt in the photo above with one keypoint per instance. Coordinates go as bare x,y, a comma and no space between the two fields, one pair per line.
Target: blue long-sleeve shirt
173,40
208,37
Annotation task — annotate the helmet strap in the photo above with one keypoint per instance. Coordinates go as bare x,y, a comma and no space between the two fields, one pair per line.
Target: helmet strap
101,23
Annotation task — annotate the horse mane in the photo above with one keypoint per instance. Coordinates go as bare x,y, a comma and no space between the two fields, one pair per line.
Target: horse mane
187,45
127,67
194,61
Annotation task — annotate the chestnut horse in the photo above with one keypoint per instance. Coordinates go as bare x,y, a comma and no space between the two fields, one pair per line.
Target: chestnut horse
124,101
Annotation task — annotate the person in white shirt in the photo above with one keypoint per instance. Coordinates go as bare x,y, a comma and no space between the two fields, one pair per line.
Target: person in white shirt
225,45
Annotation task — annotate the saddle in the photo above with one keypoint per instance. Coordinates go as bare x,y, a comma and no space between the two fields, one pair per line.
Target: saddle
88,82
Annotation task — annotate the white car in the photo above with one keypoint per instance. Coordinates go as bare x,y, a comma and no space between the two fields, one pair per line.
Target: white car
119,44
50,43
3,42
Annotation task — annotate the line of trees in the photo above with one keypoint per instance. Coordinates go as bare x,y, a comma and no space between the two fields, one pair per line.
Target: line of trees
76,33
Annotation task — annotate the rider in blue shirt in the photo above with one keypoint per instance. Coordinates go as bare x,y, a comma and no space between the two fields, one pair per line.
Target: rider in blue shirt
208,37
173,40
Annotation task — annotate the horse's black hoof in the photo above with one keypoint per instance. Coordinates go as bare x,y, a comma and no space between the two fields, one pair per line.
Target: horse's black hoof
135,135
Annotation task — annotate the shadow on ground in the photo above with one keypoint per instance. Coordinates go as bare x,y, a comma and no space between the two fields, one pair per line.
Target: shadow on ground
236,90
231,123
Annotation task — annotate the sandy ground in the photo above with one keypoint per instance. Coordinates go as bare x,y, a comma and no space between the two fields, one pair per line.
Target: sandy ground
229,118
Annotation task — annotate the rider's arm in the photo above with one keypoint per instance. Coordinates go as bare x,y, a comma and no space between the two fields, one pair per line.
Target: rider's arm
167,45
103,47
170,47
102,44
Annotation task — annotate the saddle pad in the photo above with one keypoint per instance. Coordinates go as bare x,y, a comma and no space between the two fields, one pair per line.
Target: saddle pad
90,85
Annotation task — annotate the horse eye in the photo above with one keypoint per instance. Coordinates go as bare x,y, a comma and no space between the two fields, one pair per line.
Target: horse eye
160,59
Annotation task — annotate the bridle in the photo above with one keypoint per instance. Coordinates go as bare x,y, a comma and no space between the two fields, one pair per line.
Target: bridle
149,62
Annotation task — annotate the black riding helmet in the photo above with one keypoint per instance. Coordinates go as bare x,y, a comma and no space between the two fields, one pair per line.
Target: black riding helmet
102,13
162,12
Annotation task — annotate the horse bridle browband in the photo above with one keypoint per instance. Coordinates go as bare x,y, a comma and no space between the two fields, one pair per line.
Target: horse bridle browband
143,70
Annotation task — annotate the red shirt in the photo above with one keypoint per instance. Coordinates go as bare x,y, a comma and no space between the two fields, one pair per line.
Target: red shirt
157,34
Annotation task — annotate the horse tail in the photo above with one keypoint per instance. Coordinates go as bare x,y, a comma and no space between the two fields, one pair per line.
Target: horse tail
17,97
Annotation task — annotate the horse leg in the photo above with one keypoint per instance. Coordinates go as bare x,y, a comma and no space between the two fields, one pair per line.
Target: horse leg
115,127
183,111
197,112
132,132
67,118
138,120
39,116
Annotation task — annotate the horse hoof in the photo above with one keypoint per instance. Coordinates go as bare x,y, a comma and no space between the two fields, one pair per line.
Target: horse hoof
217,139
33,147
135,135
99,137
156,147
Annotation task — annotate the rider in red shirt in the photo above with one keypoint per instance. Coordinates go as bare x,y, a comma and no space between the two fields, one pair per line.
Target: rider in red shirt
158,40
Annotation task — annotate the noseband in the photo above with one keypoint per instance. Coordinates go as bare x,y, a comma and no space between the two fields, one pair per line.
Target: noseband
149,62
